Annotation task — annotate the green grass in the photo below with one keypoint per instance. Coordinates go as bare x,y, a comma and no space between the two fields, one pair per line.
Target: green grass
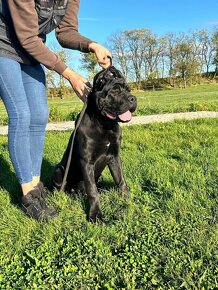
196,98
163,237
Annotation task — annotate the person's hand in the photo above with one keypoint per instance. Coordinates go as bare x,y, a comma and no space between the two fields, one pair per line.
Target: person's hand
77,82
103,54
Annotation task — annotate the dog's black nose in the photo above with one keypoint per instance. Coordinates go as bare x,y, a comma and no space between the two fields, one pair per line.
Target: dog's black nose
132,99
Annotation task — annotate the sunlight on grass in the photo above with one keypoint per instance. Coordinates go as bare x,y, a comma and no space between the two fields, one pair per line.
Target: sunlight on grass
163,237
196,98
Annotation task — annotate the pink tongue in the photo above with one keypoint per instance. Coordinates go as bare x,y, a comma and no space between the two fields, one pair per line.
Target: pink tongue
110,116
125,117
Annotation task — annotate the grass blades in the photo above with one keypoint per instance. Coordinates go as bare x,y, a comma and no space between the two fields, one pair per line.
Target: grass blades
163,237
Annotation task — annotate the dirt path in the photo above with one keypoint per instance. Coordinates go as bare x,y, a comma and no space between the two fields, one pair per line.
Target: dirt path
160,118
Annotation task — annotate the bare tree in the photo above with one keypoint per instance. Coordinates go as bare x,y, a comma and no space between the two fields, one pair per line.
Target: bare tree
50,82
215,45
135,40
187,62
171,42
119,47
205,48
154,48
55,80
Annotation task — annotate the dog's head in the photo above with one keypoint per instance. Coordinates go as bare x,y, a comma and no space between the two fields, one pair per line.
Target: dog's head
112,95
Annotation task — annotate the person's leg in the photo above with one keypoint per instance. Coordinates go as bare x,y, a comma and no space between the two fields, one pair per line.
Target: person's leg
34,85
14,97
35,88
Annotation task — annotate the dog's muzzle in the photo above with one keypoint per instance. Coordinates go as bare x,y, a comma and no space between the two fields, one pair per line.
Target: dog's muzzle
125,116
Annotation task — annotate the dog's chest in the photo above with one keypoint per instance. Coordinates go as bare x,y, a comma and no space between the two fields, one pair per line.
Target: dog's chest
105,146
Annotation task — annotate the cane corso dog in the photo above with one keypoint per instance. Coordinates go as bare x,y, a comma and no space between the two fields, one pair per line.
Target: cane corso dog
97,140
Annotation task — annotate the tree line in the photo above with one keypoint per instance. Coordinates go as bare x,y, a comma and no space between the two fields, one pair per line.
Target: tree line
178,59
146,59
141,55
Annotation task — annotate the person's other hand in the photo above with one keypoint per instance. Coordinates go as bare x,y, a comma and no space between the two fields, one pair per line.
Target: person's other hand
103,54
77,82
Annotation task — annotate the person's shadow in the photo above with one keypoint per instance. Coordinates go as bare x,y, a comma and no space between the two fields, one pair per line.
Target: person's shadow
9,182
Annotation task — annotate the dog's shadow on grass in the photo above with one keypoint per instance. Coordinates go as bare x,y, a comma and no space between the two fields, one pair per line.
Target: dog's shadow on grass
105,184
47,171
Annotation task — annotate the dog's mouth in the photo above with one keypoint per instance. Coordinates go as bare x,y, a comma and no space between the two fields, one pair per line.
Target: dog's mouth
124,117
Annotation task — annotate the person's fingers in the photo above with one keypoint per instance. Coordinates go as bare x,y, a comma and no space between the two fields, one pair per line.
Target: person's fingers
103,54
79,86
77,82
105,63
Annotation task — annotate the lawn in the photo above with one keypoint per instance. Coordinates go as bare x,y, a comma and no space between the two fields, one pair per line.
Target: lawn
196,98
164,237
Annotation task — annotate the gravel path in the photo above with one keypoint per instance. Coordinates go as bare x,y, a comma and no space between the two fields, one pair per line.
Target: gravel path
160,118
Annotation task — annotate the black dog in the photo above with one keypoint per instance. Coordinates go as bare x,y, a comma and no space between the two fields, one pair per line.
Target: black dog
98,138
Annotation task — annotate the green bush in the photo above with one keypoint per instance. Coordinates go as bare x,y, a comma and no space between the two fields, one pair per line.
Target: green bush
73,115
3,121
195,107
55,115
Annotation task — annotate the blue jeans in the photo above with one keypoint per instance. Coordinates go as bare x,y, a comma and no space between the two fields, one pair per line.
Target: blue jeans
23,91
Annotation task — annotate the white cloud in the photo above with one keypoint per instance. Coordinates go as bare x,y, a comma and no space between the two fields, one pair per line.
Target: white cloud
89,19
212,23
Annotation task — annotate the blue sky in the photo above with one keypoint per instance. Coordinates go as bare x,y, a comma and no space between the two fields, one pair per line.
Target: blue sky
100,19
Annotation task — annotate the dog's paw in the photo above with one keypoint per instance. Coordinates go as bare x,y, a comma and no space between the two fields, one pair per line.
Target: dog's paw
95,215
124,191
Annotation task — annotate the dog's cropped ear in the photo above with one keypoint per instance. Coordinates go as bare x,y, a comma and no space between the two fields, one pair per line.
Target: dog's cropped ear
99,82
101,79
103,76
115,72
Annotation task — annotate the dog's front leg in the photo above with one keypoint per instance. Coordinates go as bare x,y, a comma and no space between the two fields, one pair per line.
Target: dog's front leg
115,167
91,191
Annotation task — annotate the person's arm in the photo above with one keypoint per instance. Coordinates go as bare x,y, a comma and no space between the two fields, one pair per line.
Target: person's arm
25,21
68,36
67,31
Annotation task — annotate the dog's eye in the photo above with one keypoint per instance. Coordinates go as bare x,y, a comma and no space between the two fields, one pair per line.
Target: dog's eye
100,84
118,88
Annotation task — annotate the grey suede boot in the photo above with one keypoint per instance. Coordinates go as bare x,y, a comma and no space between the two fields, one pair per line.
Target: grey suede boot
33,204
42,189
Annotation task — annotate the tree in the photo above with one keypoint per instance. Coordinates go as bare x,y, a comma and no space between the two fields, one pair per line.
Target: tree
50,82
135,40
119,48
89,62
153,48
187,64
205,49
215,45
55,80
64,57
171,41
